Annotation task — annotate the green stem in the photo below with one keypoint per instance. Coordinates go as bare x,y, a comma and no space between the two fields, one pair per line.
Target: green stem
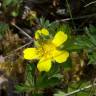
71,14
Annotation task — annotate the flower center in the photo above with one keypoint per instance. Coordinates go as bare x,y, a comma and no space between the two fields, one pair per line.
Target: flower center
46,49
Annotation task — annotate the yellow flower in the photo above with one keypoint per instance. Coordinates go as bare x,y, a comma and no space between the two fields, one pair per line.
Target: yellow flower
43,31
47,52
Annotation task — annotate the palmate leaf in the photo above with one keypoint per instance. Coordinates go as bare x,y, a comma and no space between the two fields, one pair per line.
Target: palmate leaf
65,28
91,36
30,76
77,89
43,23
29,84
51,26
91,33
83,42
54,27
45,82
50,79
86,41
92,58
22,88
92,30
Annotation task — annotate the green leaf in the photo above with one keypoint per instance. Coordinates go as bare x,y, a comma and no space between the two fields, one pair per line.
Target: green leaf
3,28
30,76
47,82
83,94
7,2
67,65
54,70
53,27
77,85
92,58
91,37
44,23
59,93
65,28
92,29
22,88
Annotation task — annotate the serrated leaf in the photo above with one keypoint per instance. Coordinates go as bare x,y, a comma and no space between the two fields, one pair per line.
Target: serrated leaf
22,88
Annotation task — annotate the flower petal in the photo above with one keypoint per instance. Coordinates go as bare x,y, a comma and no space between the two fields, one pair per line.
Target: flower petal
59,38
44,65
44,31
60,56
37,33
30,53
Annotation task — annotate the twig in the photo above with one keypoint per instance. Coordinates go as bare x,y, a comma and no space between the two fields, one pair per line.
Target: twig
77,18
12,52
81,89
90,3
22,31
